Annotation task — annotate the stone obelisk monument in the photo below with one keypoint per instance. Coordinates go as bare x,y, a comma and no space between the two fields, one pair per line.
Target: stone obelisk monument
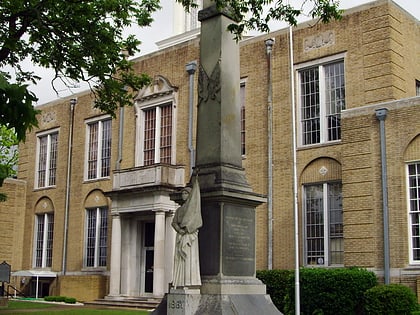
227,237
228,204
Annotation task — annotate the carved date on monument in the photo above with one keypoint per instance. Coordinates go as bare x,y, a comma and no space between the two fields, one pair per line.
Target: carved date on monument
238,241
176,304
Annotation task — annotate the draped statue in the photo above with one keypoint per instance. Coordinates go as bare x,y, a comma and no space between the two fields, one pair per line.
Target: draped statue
186,222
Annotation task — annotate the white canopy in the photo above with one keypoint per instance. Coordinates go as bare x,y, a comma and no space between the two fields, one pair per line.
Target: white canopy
35,273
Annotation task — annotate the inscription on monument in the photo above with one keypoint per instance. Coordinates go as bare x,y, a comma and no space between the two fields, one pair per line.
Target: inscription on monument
238,241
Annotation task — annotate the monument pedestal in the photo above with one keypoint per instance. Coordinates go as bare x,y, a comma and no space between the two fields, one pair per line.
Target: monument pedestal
183,301
252,301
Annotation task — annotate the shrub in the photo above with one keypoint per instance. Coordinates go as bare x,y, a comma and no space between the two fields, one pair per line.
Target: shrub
276,282
70,300
60,299
330,291
392,299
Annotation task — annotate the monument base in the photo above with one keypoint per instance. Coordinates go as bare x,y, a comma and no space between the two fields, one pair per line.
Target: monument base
216,304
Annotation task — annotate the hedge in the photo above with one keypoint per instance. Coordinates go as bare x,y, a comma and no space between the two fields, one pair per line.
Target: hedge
392,299
330,291
327,291
276,282
60,298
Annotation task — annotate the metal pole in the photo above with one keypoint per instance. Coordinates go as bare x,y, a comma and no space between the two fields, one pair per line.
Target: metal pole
269,48
73,103
295,184
381,115
191,67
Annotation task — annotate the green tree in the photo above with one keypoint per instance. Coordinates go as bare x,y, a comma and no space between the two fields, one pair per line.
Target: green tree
8,155
82,40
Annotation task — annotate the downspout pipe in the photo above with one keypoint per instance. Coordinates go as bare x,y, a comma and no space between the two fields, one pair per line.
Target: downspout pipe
73,103
269,43
120,140
381,116
191,67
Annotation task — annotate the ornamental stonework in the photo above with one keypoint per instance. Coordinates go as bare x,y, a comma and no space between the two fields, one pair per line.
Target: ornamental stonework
319,40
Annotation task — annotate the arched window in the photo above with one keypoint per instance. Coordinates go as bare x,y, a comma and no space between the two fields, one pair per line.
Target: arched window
323,213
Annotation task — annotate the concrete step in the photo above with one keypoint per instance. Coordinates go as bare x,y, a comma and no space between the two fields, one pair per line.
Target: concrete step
138,303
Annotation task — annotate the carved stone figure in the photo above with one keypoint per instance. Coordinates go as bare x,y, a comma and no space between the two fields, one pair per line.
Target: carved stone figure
186,222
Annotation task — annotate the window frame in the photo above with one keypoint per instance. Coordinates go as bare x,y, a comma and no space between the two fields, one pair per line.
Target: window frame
242,97
320,64
44,260
326,222
140,146
99,150
50,178
410,211
100,237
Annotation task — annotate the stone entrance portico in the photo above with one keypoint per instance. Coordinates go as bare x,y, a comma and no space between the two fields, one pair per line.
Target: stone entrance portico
142,237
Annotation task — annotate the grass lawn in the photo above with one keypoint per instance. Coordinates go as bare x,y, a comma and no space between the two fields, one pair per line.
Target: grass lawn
22,307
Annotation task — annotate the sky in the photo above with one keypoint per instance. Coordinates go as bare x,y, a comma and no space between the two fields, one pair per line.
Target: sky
161,29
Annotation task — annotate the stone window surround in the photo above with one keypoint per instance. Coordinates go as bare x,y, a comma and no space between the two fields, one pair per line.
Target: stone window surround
159,93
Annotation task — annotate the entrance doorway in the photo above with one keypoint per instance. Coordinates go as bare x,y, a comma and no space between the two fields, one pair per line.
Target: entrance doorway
148,255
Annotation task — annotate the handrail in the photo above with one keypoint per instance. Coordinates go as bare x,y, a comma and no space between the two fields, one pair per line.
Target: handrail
20,293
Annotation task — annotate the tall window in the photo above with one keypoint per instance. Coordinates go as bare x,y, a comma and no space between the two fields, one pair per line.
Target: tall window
414,210
322,98
157,138
43,240
417,88
96,237
242,100
323,215
99,148
47,160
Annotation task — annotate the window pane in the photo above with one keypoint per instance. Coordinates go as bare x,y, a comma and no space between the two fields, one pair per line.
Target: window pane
39,240
242,99
314,225
149,136
49,245
334,98
93,150
335,208
414,210
42,160
103,228
106,148
91,237
166,134
310,114
53,159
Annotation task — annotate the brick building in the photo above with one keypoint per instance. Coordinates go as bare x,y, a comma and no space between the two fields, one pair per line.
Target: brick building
98,206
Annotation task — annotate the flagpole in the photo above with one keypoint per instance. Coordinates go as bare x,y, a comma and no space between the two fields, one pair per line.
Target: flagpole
295,184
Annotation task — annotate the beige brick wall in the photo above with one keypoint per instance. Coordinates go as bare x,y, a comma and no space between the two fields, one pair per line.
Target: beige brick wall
381,50
82,288
12,216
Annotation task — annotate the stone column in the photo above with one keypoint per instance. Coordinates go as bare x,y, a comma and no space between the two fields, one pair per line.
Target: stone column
159,255
169,247
115,269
